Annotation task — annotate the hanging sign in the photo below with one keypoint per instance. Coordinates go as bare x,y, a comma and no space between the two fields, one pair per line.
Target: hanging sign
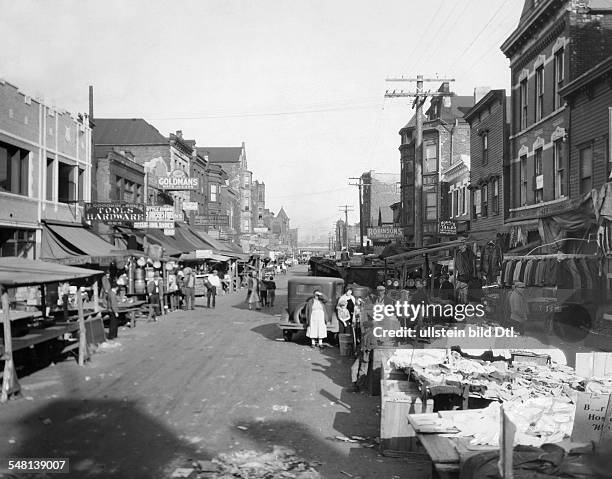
190,206
114,212
169,231
178,180
203,253
384,232
154,224
447,228
211,220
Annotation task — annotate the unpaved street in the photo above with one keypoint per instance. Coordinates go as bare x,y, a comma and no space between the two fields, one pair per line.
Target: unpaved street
191,386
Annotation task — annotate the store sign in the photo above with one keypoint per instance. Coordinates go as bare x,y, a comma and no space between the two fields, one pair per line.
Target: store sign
447,228
160,213
384,232
260,230
169,231
162,225
178,180
211,220
116,213
203,253
190,206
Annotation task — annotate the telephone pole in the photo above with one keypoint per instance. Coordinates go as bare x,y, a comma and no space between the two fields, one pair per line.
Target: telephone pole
346,209
420,96
360,185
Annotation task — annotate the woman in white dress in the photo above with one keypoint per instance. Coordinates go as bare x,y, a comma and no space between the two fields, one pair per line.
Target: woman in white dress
315,312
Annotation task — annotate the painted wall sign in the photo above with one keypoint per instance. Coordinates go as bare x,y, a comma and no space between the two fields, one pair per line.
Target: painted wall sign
178,180
114,212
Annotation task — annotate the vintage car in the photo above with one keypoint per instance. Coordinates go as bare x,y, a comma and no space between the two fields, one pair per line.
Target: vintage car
299,290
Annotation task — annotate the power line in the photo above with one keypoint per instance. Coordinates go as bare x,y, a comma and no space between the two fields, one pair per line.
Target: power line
433,18
478,35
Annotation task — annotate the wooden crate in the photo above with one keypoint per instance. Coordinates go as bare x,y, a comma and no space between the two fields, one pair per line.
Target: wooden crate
398,400
379,369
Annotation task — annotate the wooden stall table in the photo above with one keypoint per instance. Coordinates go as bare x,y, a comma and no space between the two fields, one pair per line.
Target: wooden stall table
449,453
130,309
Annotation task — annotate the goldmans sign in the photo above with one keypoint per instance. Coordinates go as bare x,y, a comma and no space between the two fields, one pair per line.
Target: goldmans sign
178,180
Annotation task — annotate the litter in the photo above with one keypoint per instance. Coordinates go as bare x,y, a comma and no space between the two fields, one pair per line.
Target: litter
242,428
279,408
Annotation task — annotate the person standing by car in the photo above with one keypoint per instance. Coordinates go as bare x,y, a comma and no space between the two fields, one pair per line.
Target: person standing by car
315,314
214,283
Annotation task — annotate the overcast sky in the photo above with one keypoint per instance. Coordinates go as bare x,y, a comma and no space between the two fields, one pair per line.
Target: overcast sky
301,82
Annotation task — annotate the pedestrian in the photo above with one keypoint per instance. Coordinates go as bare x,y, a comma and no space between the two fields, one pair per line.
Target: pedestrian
271,291
359,369
447,290
263,291
344,316
113,312
284,268
214,282
465,270
64,296
154,290
189,289
180,282
350,301
253,295
315,315
519,308
172,293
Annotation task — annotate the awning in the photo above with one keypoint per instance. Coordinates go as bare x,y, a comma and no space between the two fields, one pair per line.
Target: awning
74,244
213,256
169,243
216,246
427,250
25,272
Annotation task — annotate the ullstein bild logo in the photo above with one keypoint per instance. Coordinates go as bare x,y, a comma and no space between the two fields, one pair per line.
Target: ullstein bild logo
178,180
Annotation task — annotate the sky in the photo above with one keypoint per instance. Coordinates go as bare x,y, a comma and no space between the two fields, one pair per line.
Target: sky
301,82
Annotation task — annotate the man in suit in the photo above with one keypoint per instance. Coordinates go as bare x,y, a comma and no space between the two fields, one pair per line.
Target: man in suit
113,312
155,292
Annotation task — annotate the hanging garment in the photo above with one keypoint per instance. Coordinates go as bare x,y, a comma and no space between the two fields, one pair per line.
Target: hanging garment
491,260
518,271
510,272
465,262
551,272
586,274
573,269
529,270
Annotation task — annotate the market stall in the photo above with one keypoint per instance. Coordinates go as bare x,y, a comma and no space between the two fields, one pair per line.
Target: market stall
18,272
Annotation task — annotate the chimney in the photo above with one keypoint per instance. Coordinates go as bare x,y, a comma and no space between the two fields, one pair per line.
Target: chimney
480,92
179,133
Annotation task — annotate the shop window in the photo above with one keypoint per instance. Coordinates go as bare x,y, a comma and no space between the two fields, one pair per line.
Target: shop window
495,197
66,183
559,65
485,148
484,198
16,242
523,177
586,169
50,178
14,174
431,158
539,92
523,105
559,161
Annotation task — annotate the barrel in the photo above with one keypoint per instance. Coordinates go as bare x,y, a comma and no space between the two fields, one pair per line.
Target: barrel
139,282
346,344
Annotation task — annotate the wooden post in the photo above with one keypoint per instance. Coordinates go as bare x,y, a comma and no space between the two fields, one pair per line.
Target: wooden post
43,301
96,297
82,335
162,289
10,384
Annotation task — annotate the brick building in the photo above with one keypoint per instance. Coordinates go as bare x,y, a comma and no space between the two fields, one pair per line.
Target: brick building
589,98
489,152
555,42
380,191
446,150
45,172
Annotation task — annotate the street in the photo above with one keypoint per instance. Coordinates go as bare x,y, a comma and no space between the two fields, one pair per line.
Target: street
191,386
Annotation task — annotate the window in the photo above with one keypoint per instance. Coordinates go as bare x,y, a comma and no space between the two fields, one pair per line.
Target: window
16,242
485,147
523,105
81,184
431,158
586,169
538,178
14,175
523,177
66,183
559,65
50,180
431,206
495,198
539,92
477,203
138,193
128,191
463,194
559,183
484,196
456,203
213,193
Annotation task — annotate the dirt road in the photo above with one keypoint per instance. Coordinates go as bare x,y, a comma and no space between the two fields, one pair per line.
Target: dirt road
191,386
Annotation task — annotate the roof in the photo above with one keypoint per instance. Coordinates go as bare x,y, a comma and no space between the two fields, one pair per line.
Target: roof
24,272
126,131
282,213
412,122
492,94
459,106
221,154
598,71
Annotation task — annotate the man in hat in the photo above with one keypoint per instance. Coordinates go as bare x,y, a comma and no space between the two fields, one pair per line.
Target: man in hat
189,282
214,283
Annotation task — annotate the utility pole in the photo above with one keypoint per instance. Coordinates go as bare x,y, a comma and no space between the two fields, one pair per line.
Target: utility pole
360,185
346,209
420,96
